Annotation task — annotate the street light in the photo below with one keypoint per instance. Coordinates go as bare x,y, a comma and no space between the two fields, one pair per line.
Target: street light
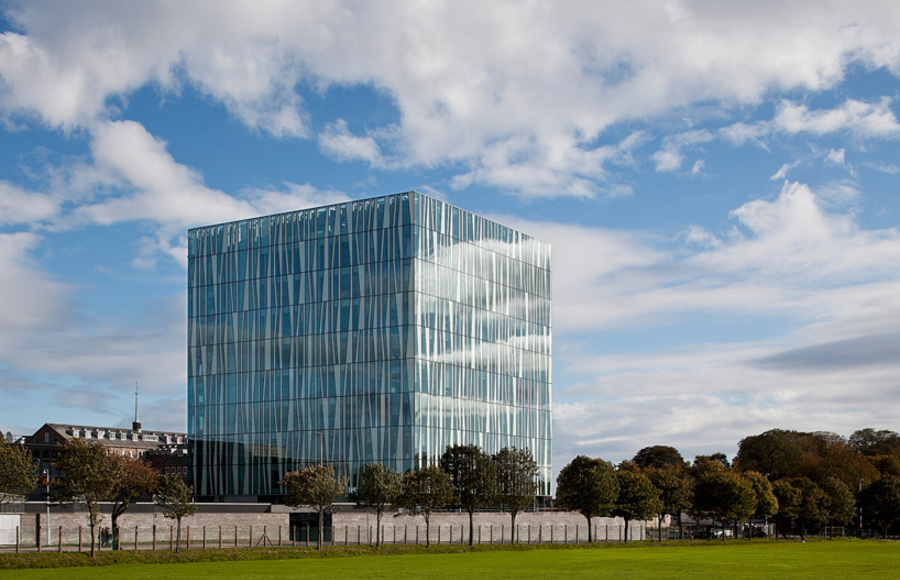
860,509
319,447
47,481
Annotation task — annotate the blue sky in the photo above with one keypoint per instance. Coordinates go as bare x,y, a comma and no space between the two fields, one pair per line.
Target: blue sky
719,182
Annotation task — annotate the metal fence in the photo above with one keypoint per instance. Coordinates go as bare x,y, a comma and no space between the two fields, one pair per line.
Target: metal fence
206,537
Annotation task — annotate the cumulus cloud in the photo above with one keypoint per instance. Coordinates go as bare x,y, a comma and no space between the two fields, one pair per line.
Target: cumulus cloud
133,178
790,258
462,80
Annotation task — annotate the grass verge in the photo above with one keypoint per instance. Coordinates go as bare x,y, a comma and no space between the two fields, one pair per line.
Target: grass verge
690,559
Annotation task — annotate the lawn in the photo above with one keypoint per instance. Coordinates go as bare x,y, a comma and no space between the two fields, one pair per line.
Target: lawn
824,559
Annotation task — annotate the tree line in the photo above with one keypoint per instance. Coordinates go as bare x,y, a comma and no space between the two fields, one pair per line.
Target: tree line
465,477
800,480
88,475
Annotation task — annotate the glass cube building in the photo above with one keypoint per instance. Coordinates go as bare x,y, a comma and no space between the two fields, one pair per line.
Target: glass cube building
379,330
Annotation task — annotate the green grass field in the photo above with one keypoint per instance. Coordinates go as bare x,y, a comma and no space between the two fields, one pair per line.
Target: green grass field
824,559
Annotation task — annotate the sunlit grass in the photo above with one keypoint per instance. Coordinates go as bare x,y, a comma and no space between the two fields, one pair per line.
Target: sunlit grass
733,560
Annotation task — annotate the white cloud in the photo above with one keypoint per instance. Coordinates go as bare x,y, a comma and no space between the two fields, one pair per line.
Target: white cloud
462,77
830,363
888,168
835,157
788,256
134,178
669,158
708,397
163,190
30,300
740,133
783,171
18,206
338,142
856,117
702,237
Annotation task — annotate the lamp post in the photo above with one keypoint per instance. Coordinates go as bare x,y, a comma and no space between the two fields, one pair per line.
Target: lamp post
860,509
47,481
319,447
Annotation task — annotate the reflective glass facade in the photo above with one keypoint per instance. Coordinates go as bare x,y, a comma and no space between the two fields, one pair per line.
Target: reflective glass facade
379,330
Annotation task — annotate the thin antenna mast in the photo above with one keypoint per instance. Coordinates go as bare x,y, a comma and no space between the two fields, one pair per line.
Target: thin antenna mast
137,422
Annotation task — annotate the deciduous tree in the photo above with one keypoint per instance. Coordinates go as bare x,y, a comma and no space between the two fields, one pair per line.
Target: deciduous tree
18,475
380,487
871,442
316,487
777,452
473,476
589,487
173,496
658,456
516,481
840,503
674,489
766,504
426,490
881,503
724,495
137,480
637,499
788,505
88,475
811,510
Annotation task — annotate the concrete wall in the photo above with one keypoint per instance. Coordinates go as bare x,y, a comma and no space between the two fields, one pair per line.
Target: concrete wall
350,525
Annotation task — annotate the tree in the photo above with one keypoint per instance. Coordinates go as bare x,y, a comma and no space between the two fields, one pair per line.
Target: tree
810,512
674,490
426,490
843,461
658,456
637,499
17,471
788,504
777,452
840,503
881,503
717,457
724,495
173,496
89,475
517,473
589,487
766,502
379,487
473,476
884,465
316,487
871,442
138,479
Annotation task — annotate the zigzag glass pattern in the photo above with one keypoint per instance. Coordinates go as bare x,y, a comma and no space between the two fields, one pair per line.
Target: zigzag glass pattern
379,330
